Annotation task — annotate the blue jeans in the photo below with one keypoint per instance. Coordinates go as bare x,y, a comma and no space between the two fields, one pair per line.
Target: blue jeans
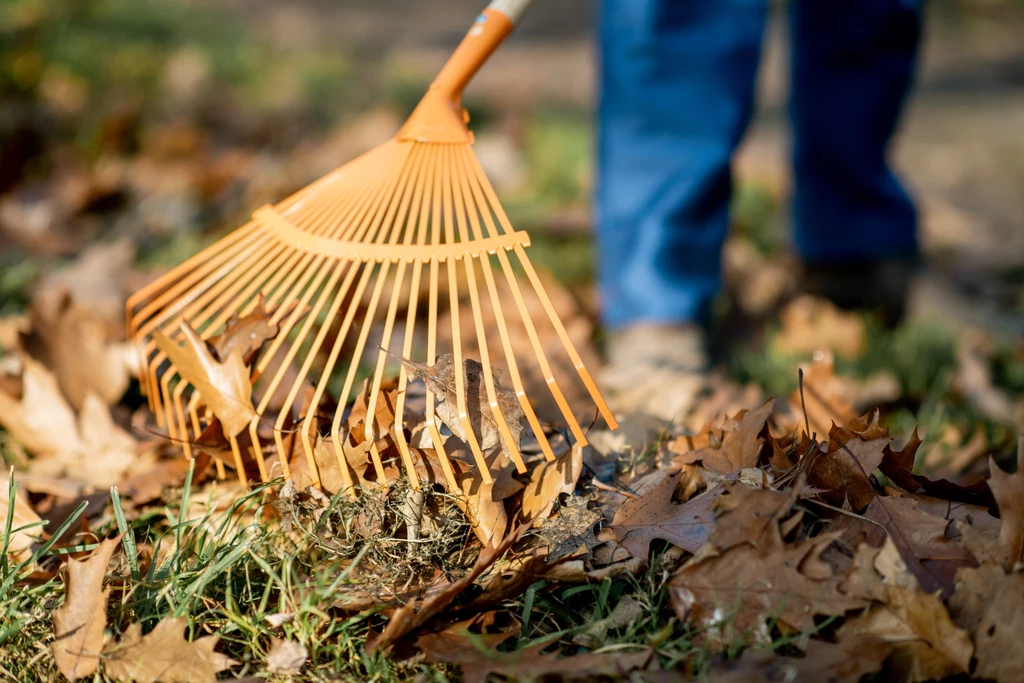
677,86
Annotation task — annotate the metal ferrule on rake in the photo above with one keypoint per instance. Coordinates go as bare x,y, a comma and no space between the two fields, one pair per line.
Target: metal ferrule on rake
347,257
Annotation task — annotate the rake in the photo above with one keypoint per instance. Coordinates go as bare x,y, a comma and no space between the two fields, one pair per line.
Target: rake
417,211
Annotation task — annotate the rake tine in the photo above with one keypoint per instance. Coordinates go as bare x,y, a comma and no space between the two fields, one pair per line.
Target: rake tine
378,374
481,335
435,239
510,359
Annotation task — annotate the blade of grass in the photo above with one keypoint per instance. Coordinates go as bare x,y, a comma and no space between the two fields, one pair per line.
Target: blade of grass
127,538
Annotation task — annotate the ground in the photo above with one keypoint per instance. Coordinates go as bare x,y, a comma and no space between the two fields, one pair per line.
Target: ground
806,537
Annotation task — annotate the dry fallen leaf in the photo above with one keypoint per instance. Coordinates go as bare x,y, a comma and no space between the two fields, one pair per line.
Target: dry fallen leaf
923,533
843,472
832,398
39,418
973,379
479,660
846,661
247,333
74,342
570,530
651,514
286,657
78,624
750,515
740,445
224,386
989,604
19,545
928,645
440,378
549,480
164,655
753,587
1008,490
88,448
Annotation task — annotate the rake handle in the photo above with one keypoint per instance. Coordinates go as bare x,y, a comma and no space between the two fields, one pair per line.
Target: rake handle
490,29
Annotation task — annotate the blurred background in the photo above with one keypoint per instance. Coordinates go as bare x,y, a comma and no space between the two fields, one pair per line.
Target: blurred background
134,132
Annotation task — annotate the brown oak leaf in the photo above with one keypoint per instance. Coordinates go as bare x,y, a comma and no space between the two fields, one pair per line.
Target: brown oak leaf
843,471
78,624
164,655
744,588
927,643
1008,490
247,333
651,514
740,446
989,604
751,515
479,660
224,386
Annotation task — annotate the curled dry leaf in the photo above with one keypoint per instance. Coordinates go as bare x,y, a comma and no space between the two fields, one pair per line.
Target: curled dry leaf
651,514
19,545
246,333
549,480
928,645
87,447
843,472
78,624
164,655
831,398
477,500
740,446
1008,490
483,419
973,379
577,571
223,385
37,416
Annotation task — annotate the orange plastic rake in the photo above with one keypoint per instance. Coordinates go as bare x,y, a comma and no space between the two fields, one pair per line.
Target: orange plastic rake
336,260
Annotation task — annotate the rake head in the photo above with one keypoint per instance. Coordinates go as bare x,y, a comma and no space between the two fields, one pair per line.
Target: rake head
338,271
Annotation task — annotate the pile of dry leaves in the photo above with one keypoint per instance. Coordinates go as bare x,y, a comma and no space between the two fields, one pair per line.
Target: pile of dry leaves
773,525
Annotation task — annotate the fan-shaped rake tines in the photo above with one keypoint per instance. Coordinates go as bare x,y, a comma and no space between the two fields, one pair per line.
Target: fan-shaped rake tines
289,305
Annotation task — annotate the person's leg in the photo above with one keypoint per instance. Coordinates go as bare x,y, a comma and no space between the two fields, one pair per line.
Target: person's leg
853,62
677,81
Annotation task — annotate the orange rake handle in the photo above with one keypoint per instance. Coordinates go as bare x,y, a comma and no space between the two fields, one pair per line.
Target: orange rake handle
439,116
490,29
